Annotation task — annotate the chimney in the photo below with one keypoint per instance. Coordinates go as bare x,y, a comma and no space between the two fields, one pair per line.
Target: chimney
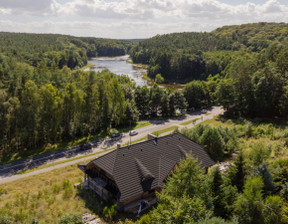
151,137
118,145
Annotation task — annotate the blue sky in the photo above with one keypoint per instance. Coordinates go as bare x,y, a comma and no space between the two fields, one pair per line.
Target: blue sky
134,18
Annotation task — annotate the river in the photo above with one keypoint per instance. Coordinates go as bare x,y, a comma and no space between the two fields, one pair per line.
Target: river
119,65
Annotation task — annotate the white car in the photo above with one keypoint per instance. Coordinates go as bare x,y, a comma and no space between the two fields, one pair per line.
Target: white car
133,132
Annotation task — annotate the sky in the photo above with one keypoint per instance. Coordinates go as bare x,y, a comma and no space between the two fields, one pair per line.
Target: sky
131,19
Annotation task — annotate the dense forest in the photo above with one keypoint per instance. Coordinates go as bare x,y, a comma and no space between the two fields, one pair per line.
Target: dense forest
45,98
243,68
54,50
183,57
40,83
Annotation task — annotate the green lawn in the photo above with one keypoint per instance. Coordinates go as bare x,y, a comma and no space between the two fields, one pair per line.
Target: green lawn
157,133
190,121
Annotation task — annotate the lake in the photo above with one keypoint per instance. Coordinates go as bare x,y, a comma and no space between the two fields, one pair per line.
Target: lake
119,65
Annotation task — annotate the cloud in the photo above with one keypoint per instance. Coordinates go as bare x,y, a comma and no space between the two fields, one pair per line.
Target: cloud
134,18
34,7
184,9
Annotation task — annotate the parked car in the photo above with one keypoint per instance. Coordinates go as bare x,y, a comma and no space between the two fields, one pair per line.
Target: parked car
86,146
115,135
133,132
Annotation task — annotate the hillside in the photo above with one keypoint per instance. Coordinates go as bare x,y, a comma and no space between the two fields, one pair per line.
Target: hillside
183,57
254,36
58,50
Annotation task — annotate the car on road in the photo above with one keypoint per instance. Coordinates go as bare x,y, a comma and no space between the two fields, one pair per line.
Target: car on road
115,135
133,132
86,146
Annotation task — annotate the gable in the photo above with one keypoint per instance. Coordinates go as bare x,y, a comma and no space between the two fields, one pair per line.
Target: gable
144,166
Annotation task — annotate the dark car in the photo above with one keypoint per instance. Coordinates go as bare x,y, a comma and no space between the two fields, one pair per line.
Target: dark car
115,135
86,146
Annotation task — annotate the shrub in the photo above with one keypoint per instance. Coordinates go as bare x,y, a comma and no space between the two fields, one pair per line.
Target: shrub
2,191
217,220
66,184
212,141
6,219
109,213
159,79
56,188
71,219
259,153
34,221
68,189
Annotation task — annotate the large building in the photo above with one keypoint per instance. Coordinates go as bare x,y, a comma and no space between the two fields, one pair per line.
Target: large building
131,174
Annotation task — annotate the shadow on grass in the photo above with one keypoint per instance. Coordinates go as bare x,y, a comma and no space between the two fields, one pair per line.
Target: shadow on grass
96,205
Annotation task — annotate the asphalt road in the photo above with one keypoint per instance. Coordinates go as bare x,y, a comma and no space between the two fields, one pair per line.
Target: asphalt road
9,172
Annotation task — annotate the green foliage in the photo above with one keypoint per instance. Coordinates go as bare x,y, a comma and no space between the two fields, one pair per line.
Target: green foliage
212,141
110,212
236,172
185,197
259,153
252,207
249,205
181,210
264,172
216,141
196,94
34,221
217,220
56,188
71,219
68,189
159,79
216,187
6,219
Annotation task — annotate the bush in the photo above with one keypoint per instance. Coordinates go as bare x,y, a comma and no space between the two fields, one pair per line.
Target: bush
2,191
259,153
6,219
159,79
34,221
109,213
217,220
68,189
56,188
71,219
212,141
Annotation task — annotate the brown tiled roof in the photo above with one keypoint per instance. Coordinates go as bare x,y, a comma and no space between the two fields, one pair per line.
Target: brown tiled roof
144,166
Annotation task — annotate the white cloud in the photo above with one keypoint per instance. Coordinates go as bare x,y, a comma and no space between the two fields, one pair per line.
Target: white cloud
133,18
33,7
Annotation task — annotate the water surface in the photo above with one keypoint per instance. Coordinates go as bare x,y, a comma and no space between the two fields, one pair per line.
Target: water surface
119,66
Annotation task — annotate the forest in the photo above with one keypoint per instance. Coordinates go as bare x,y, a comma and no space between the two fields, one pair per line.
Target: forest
41,83
46,98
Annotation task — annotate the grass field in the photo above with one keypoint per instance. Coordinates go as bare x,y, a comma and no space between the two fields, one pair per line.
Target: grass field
157,133
190,121
49,196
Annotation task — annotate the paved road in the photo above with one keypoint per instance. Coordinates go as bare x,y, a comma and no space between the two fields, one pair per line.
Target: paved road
8,172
